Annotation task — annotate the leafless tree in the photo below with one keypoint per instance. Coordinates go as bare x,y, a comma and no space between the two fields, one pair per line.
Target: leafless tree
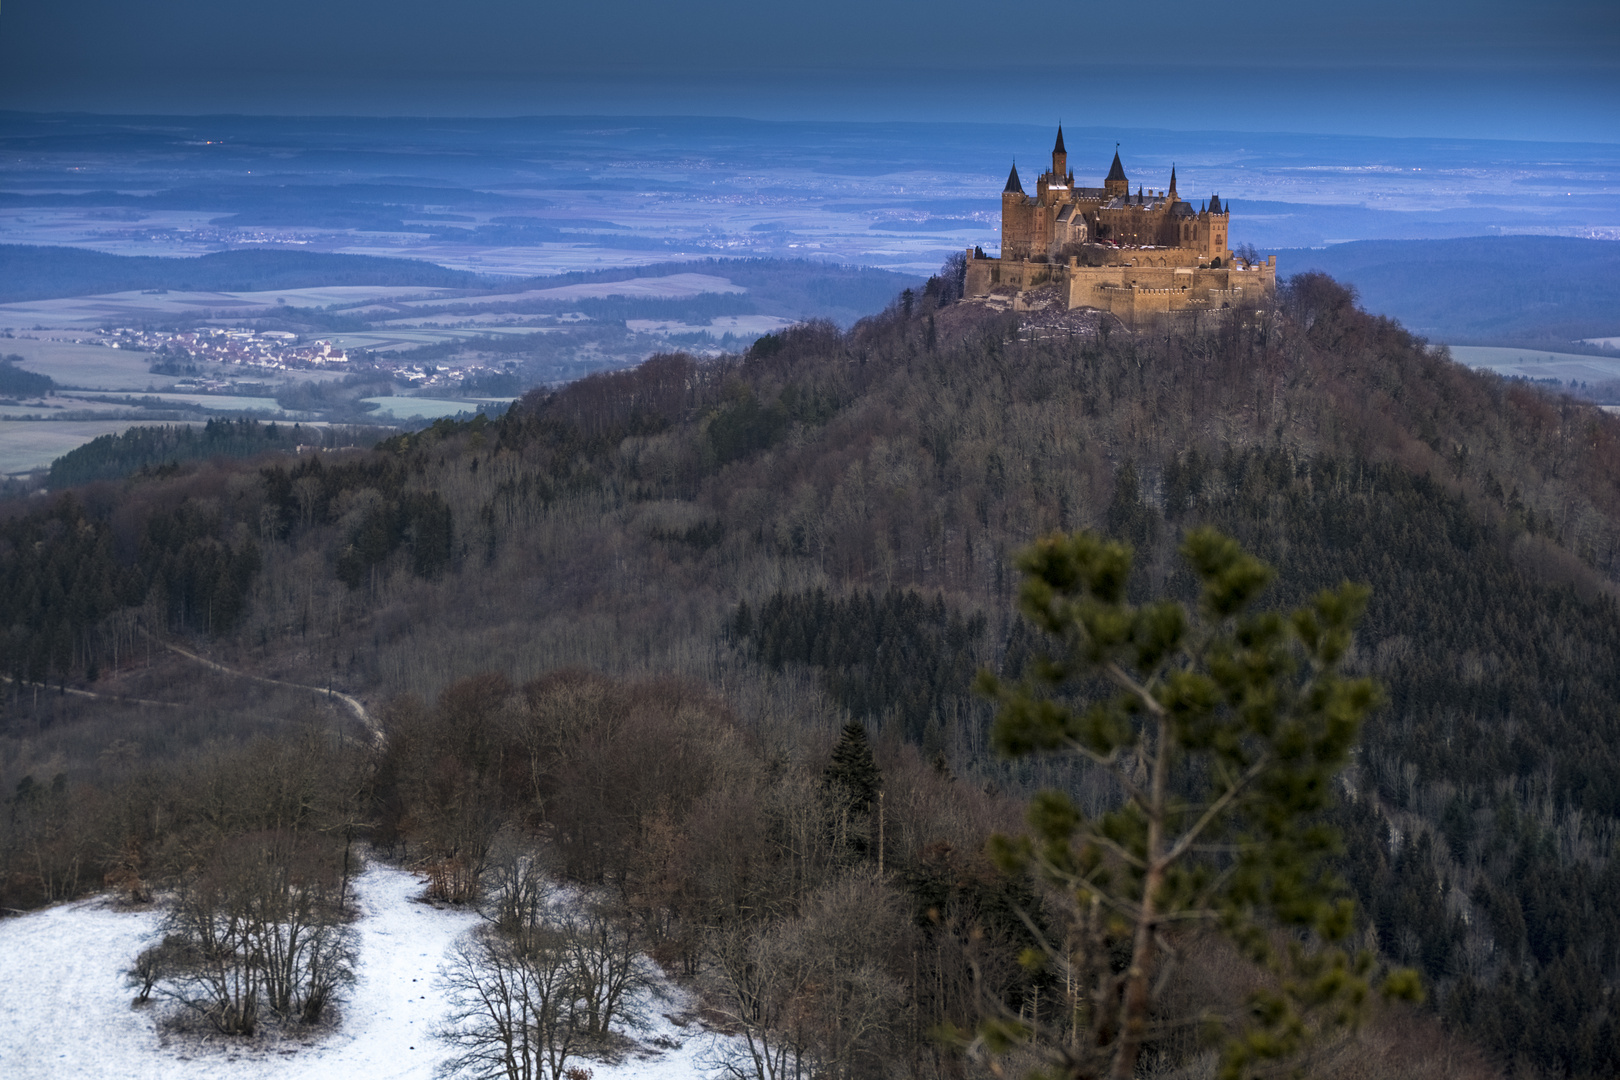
514,1005
613,971
761,992
260,930
815,994
542,982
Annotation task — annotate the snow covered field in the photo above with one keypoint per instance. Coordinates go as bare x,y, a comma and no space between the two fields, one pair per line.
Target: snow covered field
65,1009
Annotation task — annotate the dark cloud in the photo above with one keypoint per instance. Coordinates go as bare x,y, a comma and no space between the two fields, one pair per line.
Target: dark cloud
333,55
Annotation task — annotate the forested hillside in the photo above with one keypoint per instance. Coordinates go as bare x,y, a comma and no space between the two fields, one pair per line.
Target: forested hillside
113,457
679,583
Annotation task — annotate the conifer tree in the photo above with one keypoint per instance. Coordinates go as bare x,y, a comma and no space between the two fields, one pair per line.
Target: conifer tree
853,774
1223,728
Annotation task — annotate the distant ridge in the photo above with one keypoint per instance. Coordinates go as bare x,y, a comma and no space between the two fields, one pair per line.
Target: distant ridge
1480,290
30,272
795,288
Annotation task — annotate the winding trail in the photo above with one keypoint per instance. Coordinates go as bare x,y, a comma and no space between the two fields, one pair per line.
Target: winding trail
119,698
354,704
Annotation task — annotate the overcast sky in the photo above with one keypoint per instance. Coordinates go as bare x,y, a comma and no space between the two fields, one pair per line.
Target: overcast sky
1454,63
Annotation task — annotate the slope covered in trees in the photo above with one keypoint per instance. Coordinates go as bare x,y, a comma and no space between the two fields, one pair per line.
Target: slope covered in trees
113,457
823,529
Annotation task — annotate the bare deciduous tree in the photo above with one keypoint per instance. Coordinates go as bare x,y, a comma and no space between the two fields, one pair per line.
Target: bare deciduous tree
514,1005
815,994
541,983
262,929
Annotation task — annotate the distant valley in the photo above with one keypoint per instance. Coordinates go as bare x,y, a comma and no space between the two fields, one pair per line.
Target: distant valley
267,334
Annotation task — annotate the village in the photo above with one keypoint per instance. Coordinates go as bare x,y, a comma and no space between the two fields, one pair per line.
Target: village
278,349
181,352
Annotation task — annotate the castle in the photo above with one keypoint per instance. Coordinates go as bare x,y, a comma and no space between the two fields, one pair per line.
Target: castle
1132,255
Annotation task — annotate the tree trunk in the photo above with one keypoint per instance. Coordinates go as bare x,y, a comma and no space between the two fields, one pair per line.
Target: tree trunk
1138,979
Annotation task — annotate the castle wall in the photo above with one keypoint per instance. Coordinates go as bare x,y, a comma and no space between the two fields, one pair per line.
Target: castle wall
985,276
977,280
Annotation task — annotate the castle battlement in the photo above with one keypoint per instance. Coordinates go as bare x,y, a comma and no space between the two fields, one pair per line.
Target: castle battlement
1116,251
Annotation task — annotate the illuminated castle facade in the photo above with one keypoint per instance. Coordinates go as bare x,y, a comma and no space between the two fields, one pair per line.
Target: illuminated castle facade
1133,255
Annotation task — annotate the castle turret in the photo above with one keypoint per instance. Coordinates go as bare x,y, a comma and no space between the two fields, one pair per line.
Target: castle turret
1060,159
1017,218
1172,183
1116,184
1213,224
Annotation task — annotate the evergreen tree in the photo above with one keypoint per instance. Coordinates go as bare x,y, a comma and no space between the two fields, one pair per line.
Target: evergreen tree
853,774
1223,728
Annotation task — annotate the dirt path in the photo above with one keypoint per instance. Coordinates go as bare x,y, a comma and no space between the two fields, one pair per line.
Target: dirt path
119,698
353,703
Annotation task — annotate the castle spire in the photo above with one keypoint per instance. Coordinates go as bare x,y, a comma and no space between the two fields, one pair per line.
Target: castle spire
1116,183
1013,186
1060,161
1172,183
1117,170
1058,148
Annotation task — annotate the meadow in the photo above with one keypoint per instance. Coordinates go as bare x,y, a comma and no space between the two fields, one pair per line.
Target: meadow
86,313
89,367
26,445
1534,364
427,408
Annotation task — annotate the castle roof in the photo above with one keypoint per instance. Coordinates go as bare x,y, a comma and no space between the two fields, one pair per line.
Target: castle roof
1117,171
1058,149
1012,181
1172,179
1121,202
1215,204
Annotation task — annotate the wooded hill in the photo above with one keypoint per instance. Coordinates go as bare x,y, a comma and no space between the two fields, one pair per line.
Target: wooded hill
823,530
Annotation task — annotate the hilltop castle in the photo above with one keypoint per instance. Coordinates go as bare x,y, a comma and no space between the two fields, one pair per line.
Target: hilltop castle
1132,255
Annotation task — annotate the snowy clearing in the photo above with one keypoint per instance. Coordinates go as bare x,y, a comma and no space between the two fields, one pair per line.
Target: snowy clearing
65,1009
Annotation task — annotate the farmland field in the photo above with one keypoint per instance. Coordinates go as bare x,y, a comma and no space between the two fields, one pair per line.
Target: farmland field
58,407
213,402
133,308
393,339
1535,364
33,444
91,367
736,325
403,408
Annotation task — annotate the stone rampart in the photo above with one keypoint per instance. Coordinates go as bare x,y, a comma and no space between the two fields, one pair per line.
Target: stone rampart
1134,288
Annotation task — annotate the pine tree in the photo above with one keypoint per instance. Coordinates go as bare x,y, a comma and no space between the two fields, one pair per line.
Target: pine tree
853,774
1223,728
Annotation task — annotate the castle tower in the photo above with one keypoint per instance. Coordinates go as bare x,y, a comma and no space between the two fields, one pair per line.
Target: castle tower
1017,218
1060,159
1214,223
1116,184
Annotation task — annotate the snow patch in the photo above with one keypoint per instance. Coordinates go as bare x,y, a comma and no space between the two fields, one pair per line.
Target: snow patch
65,1009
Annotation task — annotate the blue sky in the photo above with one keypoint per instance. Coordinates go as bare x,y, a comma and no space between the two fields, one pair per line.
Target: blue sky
1437,68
